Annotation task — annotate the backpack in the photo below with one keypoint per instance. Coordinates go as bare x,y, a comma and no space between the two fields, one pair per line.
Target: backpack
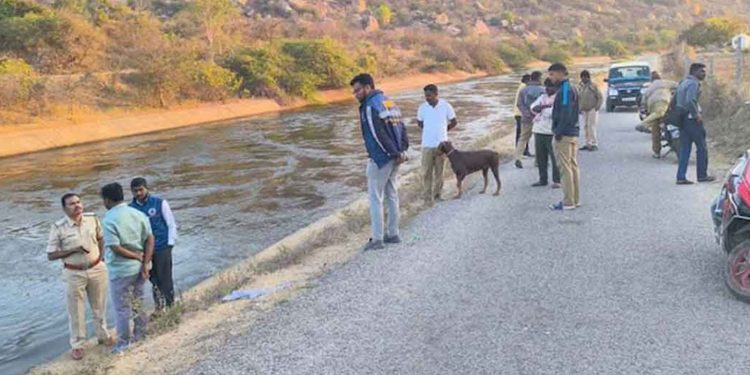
675,115
394,125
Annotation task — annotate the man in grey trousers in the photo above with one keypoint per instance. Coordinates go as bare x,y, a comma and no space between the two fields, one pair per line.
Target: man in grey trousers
385,150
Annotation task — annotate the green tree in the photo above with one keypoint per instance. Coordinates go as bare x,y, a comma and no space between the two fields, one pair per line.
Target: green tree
18,82
322,58
209,81
52,42
154,58
384,14
712,31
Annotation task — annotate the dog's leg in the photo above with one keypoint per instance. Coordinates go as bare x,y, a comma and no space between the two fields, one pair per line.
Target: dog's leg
484,174
496,173
459,180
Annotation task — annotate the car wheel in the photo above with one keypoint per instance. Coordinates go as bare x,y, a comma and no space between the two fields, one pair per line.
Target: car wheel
737,272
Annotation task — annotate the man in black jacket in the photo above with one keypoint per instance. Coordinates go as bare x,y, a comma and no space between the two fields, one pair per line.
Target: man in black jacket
565,128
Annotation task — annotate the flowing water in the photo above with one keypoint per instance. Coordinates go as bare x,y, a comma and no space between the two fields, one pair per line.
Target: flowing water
235,189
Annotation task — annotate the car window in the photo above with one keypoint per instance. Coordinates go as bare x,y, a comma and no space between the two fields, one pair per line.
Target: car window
630,72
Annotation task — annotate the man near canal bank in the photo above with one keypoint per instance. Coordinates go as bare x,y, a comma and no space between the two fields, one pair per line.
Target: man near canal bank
386,146
435,117
77,240
130,247
164,228
565,113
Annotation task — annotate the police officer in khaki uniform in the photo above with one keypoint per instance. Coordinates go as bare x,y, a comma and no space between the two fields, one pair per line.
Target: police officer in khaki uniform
77,241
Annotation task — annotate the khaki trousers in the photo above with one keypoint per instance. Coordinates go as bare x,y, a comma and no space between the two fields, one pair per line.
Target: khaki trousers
566,151
588,120
93,285
656,113
523,142
432,173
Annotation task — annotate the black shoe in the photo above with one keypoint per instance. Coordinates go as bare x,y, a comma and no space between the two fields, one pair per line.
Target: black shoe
374,245
538,184
707,179
585,148
519,165
594,148
684,182
392,239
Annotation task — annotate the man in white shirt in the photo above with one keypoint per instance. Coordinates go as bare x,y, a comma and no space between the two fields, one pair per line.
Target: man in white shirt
435,117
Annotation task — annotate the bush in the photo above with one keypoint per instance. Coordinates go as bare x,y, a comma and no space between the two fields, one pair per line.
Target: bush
515,57
384,14
52,42
296,67
557,54
323,59
209,81
484,57
259,70
612,48
18,82
715,30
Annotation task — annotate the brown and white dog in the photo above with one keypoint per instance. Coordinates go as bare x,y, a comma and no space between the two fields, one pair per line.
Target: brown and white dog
465,163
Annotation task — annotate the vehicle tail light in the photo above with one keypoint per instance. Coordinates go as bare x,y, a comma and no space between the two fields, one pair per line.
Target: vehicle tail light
743,190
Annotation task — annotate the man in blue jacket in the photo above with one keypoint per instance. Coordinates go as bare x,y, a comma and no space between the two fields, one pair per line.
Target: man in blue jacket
565,127
164,228
385,153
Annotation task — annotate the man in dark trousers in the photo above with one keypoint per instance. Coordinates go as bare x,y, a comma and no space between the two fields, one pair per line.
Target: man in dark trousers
526,97
164,228
565,128
693,130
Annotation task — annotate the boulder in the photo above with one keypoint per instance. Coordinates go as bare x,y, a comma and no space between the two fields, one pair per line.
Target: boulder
481,28
442,19
370,23
360,6
453,30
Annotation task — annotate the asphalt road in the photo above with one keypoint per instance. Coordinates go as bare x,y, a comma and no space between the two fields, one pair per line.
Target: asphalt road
630,283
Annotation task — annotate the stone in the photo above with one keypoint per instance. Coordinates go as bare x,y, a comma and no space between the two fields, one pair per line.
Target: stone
370,23
442,19
481,28
453,30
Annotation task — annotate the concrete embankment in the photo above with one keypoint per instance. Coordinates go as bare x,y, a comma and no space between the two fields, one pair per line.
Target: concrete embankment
28,138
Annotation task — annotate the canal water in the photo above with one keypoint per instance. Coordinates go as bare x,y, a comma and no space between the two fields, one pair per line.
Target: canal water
235,189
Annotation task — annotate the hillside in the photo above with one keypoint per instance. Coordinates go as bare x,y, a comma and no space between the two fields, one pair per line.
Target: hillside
59,58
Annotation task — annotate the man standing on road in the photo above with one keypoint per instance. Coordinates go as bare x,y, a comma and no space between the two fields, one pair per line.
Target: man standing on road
77,241
386,149
526,97
164,228
657,97
517,113
590,99
543,136
435,117
130,246
693,129
565,128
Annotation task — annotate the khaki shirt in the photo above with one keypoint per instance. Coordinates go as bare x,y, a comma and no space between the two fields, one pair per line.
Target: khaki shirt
66,234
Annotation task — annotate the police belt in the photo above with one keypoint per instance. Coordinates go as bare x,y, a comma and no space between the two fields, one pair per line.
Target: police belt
75,267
